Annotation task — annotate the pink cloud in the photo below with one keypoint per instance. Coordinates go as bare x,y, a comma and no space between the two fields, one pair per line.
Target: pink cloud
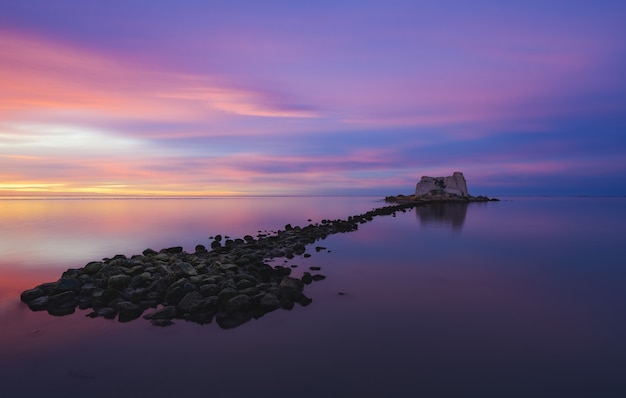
44,76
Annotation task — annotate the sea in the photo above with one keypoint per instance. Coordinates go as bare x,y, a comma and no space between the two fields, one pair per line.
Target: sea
525,297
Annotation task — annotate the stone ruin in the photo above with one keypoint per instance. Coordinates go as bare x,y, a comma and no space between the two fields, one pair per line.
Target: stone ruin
442,187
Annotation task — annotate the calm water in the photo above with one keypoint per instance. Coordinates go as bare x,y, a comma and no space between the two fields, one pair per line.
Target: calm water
520,298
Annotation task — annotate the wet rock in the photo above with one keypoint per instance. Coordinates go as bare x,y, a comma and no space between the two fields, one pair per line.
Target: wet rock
307,278
93,267
230,321
187,269
209,290
119,282
107,312
226,294
65,284
185,304
29,295
161,322
150,253
38,304
172,250
128,311
269,302
290,288
240,303
168,312
62,303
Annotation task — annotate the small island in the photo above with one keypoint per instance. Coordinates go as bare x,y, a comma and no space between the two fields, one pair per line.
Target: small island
440,189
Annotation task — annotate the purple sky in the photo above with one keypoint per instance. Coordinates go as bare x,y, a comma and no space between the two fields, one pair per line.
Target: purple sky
311,97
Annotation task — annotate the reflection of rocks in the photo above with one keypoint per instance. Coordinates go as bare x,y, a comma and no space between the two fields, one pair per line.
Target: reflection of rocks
452,213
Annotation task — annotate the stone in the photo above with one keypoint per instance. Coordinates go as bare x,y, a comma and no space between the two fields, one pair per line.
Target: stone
269,302
307,278
232,283
65,284
119,282
172,250
29,295
230,321
149,252
38,304
92,267
454,185
185,304
161,322
168,312
62,303
238,303
128,311
107,312
187,269
290,288
226,294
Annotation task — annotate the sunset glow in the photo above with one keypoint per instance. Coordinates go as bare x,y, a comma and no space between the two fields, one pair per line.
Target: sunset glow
341,98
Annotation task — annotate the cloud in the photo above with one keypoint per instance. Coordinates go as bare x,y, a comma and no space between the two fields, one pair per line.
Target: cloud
45,76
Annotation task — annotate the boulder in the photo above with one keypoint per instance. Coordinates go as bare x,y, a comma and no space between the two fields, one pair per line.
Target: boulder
128,311
454,185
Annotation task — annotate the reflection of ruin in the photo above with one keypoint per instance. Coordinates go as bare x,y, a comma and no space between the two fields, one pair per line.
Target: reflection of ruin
452,213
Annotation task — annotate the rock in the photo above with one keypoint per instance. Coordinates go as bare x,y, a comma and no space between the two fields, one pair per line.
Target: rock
107,312
185,304
230,321
209,289
65,284
172,250
187,269
233,282
290,288
149,253
162,257
307,278
226,294
62,303
161,322
238,303
128,311
29,295
168,312
206,306
454,185
38,304
92,267
119,282
244,284
142,279
269,302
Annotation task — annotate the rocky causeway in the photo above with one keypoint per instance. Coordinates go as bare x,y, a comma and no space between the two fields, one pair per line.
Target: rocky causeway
230,282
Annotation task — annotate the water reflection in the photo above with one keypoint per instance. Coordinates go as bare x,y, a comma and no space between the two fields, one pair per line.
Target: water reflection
452,214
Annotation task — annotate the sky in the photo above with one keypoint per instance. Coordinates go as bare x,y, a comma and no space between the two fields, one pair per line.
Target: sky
342,97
